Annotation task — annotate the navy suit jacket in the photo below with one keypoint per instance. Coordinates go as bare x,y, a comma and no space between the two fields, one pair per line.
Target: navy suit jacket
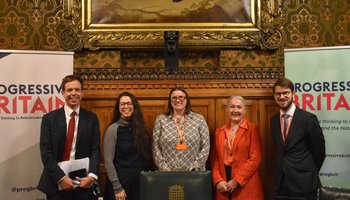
301,157
52,141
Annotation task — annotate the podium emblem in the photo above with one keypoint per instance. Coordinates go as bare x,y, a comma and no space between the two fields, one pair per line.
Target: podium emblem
176,192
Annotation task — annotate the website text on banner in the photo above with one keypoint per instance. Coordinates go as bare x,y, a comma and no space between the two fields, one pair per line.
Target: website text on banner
322,86
29,87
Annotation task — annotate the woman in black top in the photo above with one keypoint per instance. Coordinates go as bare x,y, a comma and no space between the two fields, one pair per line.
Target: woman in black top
127,149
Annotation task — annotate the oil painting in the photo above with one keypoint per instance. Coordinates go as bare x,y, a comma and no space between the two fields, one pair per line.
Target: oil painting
140,24
170,11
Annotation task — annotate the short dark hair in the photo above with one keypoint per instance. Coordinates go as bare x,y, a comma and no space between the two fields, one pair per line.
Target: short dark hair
170,109
283,82
71,78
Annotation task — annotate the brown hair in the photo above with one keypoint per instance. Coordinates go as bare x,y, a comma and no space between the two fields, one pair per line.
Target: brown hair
188,104
71,78
283,82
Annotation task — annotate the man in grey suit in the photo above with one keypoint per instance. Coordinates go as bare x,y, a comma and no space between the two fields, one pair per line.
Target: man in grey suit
300,146
85,143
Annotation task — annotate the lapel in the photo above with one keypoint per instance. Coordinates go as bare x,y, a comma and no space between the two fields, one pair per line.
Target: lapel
240,132
278,131
222,139
62,126
81,125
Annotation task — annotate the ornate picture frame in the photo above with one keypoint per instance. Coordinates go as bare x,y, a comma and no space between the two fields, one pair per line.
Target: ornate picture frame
87,25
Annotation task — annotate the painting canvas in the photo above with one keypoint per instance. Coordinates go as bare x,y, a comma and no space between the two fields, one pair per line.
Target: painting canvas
170,11
127,24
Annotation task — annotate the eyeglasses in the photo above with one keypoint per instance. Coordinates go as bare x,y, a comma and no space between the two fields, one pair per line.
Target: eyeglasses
278,94
181,98
125,104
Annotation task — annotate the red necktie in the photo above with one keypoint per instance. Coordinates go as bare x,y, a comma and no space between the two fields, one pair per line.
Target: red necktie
69,137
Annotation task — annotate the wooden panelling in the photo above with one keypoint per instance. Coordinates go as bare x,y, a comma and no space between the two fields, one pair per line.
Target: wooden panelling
104,112
208,99
150,110
205,107
267,108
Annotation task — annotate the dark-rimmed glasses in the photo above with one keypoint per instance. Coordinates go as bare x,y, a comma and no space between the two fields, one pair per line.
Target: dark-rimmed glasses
278,94
181,98
121,104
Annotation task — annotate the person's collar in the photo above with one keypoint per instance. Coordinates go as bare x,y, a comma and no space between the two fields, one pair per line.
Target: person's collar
68,110
124,122
290,110
242,124
188,115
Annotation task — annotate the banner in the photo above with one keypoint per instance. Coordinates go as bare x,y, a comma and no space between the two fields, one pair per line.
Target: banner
29,88
322,85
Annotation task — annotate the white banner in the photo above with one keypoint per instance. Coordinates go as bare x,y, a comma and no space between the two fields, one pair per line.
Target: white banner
29,87
322,85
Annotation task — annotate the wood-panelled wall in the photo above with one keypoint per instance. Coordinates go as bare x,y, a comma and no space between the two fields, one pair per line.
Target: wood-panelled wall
208,98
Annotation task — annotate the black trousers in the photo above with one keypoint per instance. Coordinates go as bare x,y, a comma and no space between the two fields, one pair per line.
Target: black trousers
306,196
79,193
228,171
130,181
283,193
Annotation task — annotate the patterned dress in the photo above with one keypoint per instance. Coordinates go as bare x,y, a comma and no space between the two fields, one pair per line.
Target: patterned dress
165,138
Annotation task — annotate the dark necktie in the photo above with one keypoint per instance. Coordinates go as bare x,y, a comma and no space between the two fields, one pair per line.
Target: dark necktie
285,124
69,137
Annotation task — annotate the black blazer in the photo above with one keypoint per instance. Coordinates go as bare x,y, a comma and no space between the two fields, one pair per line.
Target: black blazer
301,157
52,140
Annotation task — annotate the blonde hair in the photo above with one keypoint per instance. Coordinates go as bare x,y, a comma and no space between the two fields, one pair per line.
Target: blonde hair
236,97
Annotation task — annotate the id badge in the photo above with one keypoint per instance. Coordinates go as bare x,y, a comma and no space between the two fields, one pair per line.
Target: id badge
181,146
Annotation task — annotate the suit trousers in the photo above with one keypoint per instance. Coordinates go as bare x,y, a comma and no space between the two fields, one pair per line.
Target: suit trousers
78,193
283,193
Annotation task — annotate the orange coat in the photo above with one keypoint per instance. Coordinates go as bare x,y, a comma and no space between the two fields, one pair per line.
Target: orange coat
245,165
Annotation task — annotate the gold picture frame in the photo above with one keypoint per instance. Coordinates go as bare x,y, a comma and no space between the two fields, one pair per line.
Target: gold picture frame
88,25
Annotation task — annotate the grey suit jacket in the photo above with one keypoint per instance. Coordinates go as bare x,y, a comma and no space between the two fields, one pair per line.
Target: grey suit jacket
52,140
301,157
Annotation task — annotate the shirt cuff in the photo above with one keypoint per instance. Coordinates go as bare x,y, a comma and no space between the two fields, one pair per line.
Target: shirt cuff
61,179
93,176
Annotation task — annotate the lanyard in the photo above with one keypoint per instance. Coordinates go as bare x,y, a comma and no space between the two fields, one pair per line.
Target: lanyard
181,133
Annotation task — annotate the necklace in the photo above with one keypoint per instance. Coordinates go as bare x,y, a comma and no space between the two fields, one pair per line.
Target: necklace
234,128
233,131
179,119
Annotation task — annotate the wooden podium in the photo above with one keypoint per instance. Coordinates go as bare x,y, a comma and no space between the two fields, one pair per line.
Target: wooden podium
176,185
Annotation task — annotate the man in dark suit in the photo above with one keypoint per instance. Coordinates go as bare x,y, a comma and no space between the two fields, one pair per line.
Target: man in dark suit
300,146
85,143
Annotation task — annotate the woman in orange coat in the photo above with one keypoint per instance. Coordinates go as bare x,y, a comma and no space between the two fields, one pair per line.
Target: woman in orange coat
237,156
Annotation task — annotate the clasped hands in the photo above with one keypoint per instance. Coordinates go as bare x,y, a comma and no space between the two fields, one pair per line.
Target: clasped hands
69,184
224,186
